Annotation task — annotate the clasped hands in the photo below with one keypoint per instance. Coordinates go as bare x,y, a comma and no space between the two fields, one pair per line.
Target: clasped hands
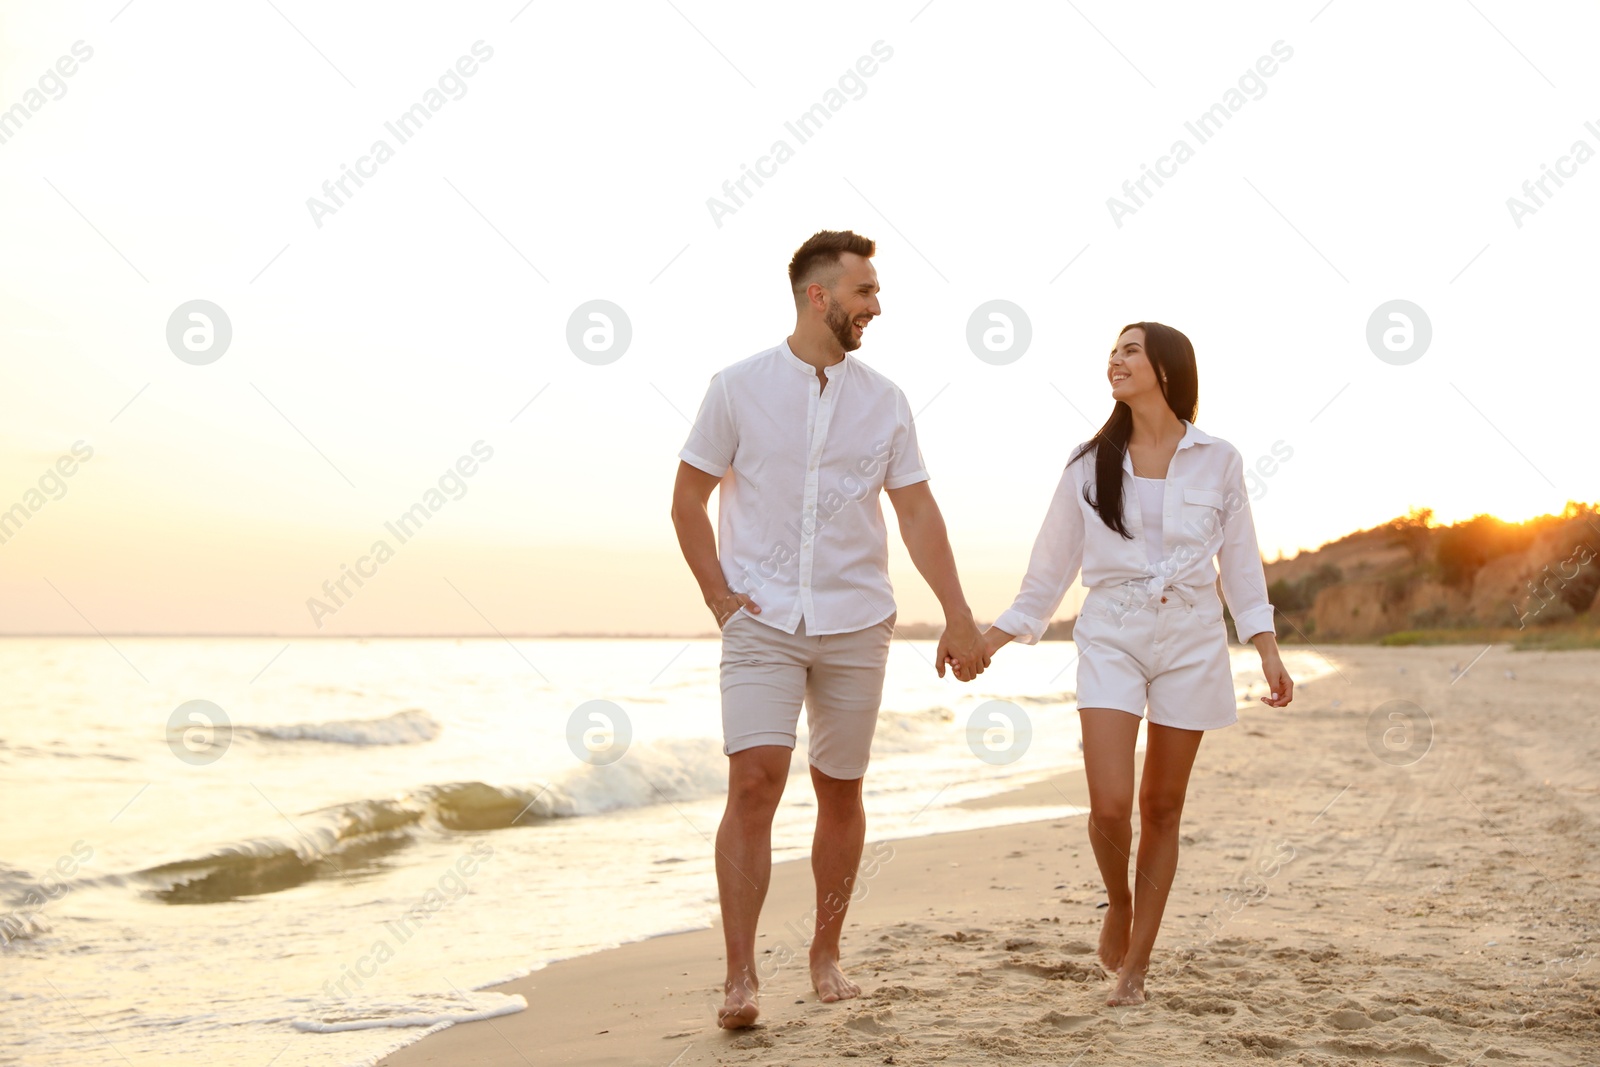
965,650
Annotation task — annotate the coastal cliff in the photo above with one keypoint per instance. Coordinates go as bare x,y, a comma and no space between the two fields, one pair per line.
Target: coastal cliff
1409,575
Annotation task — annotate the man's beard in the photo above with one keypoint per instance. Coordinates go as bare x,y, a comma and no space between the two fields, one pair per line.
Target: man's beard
842,327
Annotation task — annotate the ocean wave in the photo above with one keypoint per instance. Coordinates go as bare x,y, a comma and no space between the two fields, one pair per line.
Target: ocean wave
937,713
433,1010
20,925
262,865
346,840
353,839
665,771
29,752
900,732
413,726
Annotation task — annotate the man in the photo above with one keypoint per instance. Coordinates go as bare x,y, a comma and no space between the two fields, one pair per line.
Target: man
800,439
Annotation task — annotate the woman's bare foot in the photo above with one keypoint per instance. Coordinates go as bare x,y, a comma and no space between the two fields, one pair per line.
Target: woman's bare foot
739,1008
1130,988
1115,932
830,982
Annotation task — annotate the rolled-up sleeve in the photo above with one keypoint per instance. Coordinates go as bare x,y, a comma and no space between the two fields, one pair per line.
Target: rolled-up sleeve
905,465
1054,564
714,438
1244,579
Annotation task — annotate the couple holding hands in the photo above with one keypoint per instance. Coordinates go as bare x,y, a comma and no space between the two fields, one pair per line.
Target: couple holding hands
799,439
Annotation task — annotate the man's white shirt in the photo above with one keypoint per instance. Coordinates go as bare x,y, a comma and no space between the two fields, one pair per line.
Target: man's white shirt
1205,515
799,522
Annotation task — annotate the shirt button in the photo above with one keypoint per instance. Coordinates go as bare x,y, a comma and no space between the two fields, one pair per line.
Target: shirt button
1163,600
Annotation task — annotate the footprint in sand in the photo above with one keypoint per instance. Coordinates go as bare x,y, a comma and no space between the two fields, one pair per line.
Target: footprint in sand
894,993
1409,1051
872,1022
1066,969
1069,1024
1258,1042
1201,1005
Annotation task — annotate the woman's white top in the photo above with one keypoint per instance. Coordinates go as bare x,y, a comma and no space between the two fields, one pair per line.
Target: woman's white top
1205,512
1151,490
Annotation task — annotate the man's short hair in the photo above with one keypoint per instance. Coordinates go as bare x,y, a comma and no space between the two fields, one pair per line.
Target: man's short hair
819,257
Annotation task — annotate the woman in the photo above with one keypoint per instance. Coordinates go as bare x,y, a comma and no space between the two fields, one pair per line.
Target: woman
1143,507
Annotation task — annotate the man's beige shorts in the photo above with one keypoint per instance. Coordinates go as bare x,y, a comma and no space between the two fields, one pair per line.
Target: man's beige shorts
767,674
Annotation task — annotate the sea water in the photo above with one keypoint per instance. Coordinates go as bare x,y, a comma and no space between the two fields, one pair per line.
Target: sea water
349,839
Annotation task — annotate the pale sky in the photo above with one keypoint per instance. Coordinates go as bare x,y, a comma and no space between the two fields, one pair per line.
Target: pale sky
575,162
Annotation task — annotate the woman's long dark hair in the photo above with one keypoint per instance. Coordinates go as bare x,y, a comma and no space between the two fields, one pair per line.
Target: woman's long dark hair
1172,357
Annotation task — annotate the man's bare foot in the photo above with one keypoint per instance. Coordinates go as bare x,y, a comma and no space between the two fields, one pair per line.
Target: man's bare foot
830,982
1130,988
1115,932
739,1008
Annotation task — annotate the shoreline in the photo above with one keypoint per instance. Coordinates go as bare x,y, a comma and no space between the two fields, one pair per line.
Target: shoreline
1338,899
563,989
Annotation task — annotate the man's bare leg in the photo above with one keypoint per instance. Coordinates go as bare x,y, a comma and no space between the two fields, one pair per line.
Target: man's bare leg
1168,757
835,860
756,777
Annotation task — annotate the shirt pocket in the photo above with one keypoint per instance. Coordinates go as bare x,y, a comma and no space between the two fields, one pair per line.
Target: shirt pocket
1202,513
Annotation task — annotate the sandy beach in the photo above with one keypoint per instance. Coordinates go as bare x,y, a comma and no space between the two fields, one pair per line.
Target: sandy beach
1353,888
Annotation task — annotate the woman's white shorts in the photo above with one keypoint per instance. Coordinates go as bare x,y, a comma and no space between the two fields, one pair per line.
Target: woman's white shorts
1169,650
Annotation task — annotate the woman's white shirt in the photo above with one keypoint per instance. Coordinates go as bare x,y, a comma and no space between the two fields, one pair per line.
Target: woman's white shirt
1151,490
1205,511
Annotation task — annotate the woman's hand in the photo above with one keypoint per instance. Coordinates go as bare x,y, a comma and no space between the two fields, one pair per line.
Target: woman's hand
1279,682
994,639
1280,687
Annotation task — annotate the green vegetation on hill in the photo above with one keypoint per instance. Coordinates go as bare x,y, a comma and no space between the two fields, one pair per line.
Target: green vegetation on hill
1298,596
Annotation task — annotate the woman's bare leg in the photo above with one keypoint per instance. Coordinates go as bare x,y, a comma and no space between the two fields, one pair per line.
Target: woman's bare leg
1168,757
1108,740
